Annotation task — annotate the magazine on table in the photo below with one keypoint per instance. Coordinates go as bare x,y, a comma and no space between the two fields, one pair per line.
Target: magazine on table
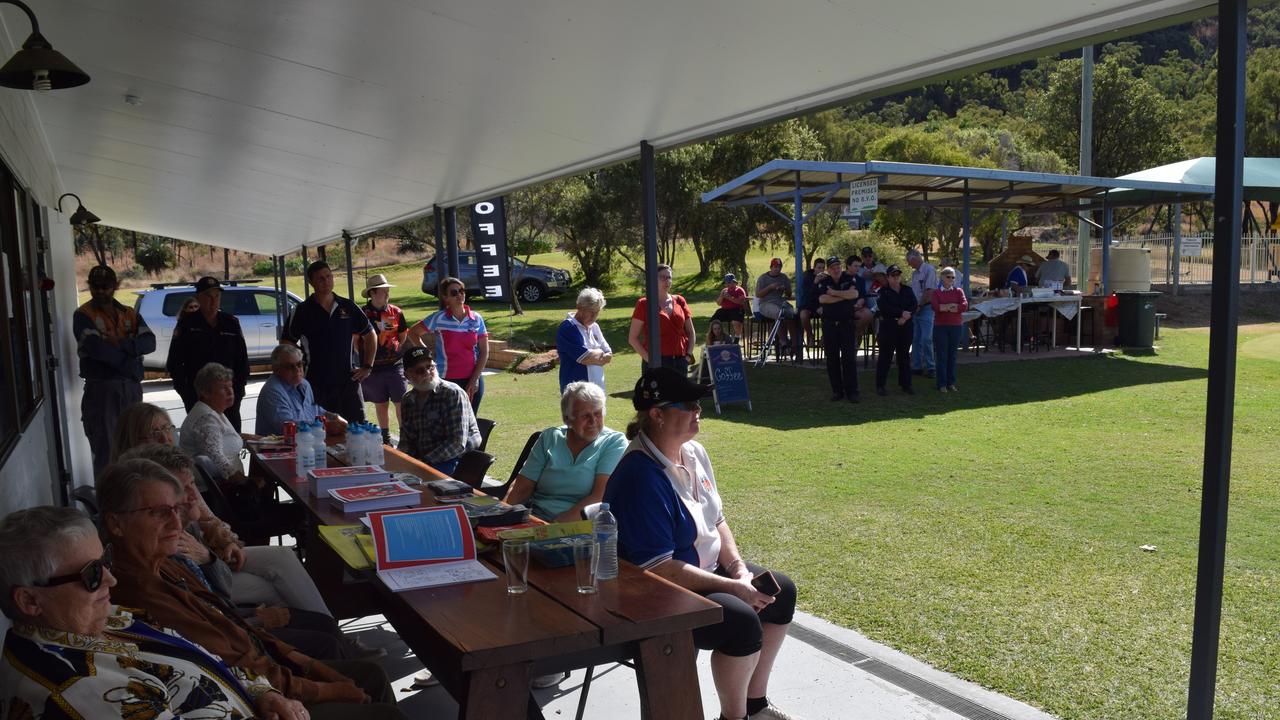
378,496
425,547
325,479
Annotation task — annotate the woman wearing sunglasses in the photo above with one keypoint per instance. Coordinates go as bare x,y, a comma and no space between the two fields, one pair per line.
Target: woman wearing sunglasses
671,522
460,339
71,653
143,508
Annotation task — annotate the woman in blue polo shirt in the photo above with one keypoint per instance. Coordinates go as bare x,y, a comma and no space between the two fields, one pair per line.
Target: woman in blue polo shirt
671,522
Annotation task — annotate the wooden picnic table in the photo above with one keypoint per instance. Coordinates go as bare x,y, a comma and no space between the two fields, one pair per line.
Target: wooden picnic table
485,645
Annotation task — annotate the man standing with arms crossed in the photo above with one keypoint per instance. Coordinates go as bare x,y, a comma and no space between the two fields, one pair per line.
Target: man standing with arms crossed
205,336
323,325
110,341
924,280
837,293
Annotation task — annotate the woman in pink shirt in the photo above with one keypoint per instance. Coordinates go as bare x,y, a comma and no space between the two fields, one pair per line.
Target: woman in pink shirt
948,303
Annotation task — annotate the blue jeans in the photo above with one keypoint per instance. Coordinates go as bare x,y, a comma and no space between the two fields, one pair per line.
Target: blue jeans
447,467
922,340
946,344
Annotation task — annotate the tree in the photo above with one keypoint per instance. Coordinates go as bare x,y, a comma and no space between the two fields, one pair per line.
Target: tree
530,219
154,255
1262,110
1133,124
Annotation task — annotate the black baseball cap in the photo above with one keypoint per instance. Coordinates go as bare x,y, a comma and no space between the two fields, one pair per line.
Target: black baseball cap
207,283
893,270
416,356
833,260
101,275
868,251
666,385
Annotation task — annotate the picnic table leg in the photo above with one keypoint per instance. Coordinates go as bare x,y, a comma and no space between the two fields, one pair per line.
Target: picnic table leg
1079,320
498,692
1018,336
668,678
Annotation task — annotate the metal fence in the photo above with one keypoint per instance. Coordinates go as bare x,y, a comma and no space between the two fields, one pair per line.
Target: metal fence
1259,257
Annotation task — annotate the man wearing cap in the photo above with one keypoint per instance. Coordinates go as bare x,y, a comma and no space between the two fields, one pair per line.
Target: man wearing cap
837,293
733,301
897,306
1018,276
924,280
438,424
208,335
386,384
110,342
773,288
323,325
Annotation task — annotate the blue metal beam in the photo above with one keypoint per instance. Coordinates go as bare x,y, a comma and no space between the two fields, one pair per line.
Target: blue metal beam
649,215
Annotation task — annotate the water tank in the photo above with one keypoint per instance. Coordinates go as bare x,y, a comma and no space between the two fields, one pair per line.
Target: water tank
1130,269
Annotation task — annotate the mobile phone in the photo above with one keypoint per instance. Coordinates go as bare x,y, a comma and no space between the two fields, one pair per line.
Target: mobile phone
766,583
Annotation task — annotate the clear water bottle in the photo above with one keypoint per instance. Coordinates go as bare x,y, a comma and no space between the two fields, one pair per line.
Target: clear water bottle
378,451
318,446
355,445
305,460
605,527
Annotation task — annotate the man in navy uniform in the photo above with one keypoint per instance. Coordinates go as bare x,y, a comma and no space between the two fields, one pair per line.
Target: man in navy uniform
208,335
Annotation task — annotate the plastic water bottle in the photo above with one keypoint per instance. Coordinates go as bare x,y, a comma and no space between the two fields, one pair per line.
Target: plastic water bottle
306,459
605,527
318,446
378,452
355,445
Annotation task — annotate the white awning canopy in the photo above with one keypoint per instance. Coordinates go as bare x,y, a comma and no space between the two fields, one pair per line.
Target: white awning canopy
265,126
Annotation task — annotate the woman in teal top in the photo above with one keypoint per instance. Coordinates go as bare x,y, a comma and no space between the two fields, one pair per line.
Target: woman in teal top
569,465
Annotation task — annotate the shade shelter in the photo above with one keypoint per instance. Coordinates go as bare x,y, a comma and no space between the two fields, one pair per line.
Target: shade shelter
1261,175
904,186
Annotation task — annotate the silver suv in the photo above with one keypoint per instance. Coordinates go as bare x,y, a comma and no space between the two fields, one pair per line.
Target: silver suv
253,305
534,283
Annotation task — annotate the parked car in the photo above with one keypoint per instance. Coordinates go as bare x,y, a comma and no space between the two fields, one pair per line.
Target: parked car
253,305
533,282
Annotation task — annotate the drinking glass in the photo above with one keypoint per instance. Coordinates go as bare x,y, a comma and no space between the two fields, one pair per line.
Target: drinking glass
515,556
586,559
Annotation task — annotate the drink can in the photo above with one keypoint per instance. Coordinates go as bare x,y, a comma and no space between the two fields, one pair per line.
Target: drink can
290,431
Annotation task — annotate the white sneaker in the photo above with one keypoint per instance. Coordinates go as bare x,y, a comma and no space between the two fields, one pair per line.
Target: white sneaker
542,682
771,713
423,678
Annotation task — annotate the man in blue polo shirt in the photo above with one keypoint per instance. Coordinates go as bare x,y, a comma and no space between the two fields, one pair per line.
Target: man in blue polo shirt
287,396
324,325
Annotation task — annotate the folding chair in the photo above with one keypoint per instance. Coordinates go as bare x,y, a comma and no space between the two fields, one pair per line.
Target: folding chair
472,466
500,491
486,427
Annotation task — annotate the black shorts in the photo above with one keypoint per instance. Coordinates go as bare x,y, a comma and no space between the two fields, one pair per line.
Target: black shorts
739,633
727,315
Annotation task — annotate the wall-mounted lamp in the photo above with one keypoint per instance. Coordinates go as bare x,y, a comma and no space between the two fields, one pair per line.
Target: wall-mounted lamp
37,66
80,216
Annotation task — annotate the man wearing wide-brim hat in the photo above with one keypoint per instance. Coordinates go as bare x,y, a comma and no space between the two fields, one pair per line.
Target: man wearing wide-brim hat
386,384
1019,276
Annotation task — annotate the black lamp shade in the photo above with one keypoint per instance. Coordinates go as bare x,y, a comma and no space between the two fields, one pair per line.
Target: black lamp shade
83,217
36,54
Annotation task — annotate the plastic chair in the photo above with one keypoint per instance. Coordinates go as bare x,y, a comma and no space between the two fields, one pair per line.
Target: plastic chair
255,522
486,426
500,491
472,466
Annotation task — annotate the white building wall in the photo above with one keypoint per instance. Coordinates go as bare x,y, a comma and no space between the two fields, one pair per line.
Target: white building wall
63,303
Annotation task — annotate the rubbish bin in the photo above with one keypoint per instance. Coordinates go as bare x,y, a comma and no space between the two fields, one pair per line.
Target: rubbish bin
1137,318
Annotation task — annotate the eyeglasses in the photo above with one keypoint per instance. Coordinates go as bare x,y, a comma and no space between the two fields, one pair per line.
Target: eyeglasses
685,405
162,512
455,292
163,429
90,575
421,368
292,366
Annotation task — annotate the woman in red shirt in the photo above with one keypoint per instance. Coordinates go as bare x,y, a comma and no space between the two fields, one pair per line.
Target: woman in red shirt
675,327
948,304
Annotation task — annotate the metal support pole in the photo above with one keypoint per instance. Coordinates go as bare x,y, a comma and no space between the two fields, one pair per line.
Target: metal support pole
1106,246
277,272
1175,211
351,271
1086,159
649,215
306,281
282,298
797,238
226,264
438,215
451,233
967,229
1220,403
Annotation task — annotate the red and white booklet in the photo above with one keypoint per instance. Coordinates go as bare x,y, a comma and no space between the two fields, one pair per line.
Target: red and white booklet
379,496
425,547
325,479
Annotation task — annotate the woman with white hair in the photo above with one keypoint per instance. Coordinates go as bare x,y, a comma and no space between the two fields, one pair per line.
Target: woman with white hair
583,350
206,430
569,466
71,653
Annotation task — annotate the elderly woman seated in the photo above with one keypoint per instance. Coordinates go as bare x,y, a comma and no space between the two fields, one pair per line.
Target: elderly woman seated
140,424
207,431
70,653
568,467
266,583
142,508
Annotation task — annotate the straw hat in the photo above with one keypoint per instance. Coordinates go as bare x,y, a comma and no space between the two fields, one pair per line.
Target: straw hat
374,282
1026,260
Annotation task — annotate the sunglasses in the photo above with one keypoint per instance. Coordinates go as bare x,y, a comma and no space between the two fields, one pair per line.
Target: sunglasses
455,292
90,575
685,405
162,512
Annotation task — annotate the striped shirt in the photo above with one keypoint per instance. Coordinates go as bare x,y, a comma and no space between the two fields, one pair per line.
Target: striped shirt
456,341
